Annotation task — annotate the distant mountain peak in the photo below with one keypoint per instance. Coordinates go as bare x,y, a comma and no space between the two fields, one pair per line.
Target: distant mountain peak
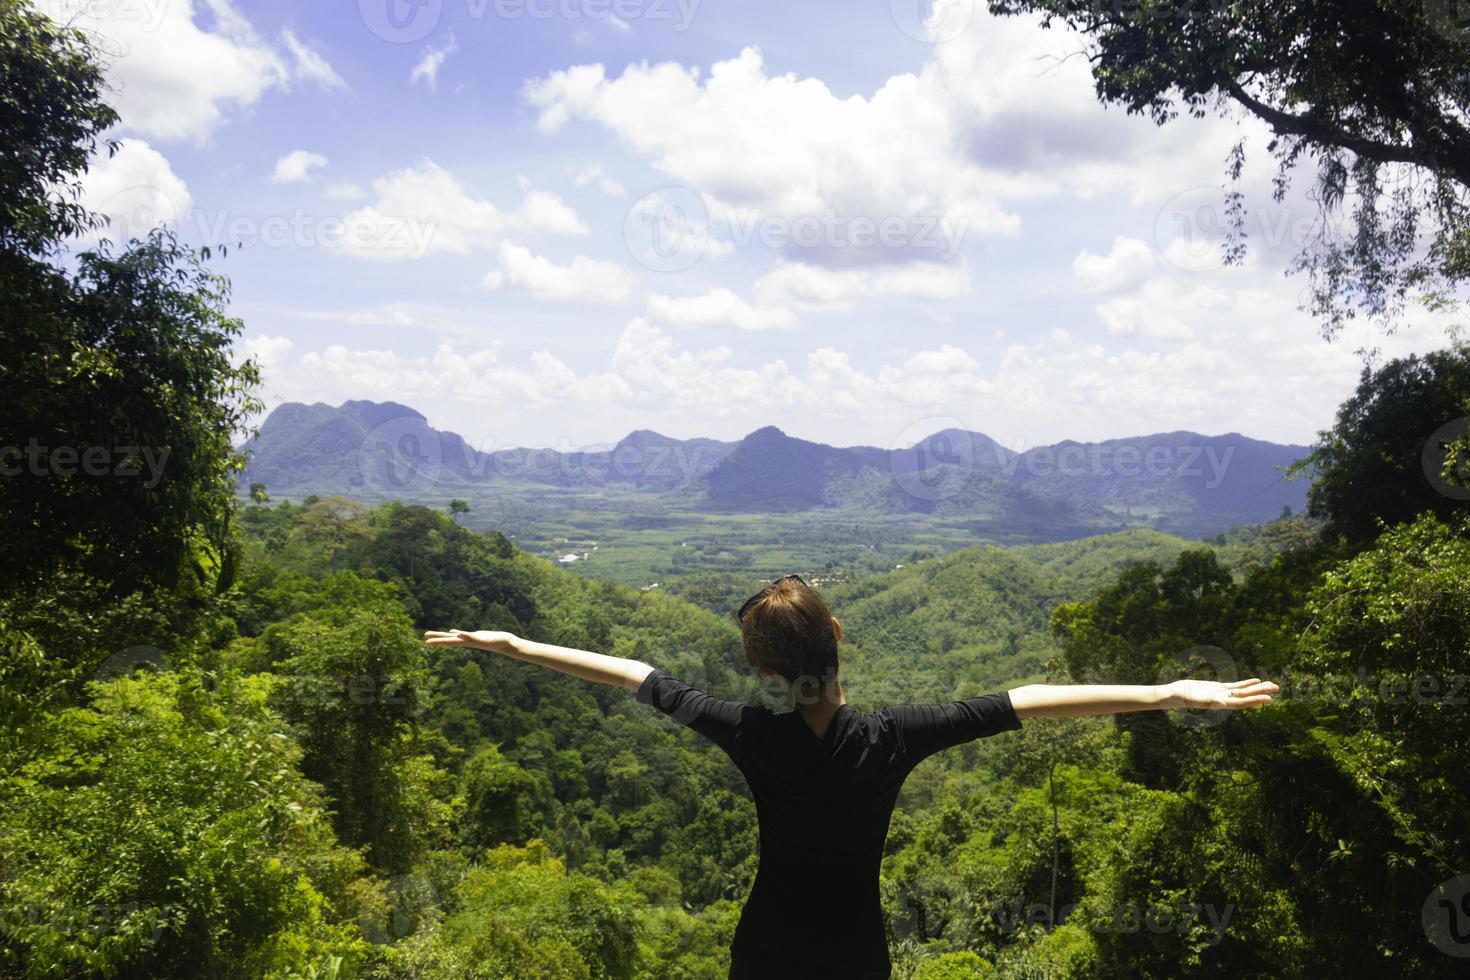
374,414
766,432
644,437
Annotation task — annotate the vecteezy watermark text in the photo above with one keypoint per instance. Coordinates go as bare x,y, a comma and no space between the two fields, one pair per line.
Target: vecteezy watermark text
1125,917
935,234
126,462
406,21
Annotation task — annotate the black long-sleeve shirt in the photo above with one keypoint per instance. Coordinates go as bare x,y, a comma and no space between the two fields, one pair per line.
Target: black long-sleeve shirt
824,803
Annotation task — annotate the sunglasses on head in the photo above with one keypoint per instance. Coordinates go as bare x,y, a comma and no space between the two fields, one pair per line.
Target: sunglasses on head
745,607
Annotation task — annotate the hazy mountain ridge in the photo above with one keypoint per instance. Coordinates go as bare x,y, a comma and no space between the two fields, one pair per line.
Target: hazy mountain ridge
1179,480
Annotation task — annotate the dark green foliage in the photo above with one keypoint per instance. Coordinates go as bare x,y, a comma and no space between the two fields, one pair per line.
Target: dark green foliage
351,686
122,399
1384,458
52,115
165,830
502,802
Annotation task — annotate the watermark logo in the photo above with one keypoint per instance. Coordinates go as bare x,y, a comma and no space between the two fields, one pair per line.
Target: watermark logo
1446,917
406,21
1207,663
932,459
1436,454
400,21
1193,230
127,660
411,898
136,211
1206,463
1206,919
139,923
401,455
932,21
939,236
667,230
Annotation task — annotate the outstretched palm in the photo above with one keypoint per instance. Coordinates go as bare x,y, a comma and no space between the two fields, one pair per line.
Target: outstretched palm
1217,695
496,641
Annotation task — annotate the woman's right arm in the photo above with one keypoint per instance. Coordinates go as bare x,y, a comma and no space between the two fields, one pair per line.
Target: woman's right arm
1075,700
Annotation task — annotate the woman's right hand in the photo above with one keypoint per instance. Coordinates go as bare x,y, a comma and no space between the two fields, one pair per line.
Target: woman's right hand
496,641
1216,695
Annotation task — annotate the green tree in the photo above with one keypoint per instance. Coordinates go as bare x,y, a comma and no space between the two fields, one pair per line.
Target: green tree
122,397
964,965
1043,747
165,830
1375,93
351,686
1384,458
521,914
53,115
503,803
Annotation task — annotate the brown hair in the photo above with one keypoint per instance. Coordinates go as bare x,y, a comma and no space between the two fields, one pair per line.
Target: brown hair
786,628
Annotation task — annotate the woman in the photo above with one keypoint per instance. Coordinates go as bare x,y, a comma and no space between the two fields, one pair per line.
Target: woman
825,776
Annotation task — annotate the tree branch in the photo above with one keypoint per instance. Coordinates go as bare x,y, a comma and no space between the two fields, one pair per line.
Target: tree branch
1457,167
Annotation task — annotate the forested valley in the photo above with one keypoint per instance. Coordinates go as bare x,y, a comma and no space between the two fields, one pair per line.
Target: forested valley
224,751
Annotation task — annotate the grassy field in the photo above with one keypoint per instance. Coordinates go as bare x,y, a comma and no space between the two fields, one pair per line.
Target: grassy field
636,538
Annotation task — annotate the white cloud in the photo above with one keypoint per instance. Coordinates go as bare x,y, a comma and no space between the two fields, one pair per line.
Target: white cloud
703,385
310,65
999,115
718,308
584,280
296,166
136,189
1164,309
344,190
647,375
1152,297
423,209
781,145
170,78
593,174
547,213
1267,377
399,314
429,64
1125,266
270,352
813,287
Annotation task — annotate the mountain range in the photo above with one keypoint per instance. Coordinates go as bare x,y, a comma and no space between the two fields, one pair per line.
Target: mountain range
1180,481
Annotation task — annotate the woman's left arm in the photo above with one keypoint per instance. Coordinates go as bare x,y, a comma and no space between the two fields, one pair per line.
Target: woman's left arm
589,666
1074,700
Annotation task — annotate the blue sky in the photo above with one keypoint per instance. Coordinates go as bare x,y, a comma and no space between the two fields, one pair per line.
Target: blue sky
549,222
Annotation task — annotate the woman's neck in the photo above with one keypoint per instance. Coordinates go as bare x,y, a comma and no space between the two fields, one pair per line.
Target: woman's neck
826,703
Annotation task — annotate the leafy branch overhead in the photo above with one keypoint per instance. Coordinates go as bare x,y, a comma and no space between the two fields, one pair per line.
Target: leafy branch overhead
1376,95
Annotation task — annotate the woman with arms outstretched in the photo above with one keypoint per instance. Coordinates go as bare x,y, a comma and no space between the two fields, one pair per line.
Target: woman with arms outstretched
824,776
